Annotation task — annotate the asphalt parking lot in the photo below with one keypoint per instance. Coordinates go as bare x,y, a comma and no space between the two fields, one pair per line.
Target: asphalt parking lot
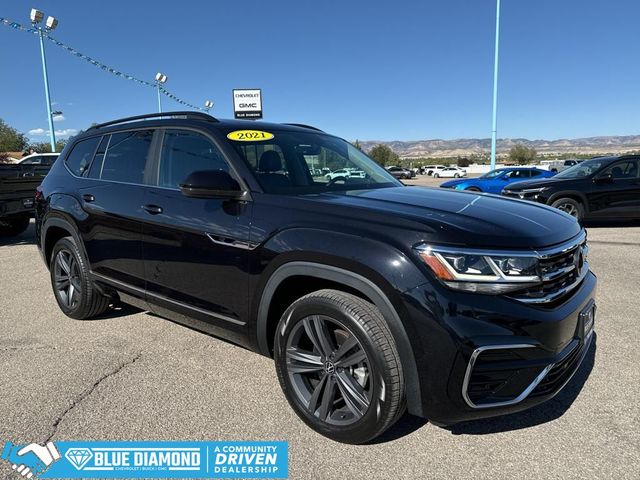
133,376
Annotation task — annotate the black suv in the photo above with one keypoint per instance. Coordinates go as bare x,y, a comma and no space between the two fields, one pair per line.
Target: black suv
600,188
371,296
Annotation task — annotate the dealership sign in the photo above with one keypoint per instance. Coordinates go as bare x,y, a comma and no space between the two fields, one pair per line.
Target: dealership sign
247,103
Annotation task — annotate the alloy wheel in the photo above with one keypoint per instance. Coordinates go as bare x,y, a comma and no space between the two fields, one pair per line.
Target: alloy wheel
67,278
329,370
568,208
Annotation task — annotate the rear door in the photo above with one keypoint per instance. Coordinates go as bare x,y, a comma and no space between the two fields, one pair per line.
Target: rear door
618,195
112,197
196,250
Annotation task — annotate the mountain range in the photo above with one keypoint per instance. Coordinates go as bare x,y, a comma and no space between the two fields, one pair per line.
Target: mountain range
465,147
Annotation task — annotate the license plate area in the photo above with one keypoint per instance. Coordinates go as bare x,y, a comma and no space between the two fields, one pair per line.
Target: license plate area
587,319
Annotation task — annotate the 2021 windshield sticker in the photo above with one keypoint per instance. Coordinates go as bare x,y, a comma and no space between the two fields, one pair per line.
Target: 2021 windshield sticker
249,135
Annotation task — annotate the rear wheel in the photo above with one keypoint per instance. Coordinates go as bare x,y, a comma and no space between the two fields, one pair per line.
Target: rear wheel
436,175
473,189
570,206
13,226
339,367
75,293
456,175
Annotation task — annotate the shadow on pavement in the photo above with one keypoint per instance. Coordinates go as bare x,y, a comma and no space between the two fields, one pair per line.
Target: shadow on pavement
117,310
543,413
28,237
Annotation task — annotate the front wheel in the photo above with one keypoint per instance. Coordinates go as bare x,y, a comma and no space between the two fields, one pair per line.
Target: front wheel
436,175
75,293
570,206
456,175
339,367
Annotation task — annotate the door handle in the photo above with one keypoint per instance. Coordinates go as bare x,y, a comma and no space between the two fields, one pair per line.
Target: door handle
87,197
152,209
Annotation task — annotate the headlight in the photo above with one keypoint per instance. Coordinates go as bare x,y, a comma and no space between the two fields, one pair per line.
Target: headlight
481,271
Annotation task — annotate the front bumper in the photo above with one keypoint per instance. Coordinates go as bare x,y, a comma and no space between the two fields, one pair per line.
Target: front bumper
481,356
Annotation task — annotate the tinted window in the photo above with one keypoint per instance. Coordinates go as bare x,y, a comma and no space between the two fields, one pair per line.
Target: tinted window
126,156
185,152
535,173
621,170
80,157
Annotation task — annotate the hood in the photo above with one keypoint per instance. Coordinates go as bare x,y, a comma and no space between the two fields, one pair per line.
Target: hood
454,183
542,182
456,217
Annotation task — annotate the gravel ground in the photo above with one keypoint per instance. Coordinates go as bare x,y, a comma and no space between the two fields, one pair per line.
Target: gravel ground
134,376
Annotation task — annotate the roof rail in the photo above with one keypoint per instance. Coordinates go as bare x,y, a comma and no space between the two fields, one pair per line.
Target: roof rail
186,114
302,125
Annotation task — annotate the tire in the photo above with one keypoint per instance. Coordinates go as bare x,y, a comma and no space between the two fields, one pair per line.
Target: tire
356,393
570,206
456,175
436,175
10,227
67,261
473,189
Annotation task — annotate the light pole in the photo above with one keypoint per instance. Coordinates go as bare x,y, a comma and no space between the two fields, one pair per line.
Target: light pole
208,105
494,128
51,23
160,79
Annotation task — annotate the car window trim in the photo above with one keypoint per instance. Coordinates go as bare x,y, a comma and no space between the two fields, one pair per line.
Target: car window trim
66,158
158,159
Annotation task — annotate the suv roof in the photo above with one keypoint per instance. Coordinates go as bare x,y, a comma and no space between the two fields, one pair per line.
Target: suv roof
157,119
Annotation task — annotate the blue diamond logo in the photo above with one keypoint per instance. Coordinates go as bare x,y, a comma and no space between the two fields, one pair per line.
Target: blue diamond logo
78,457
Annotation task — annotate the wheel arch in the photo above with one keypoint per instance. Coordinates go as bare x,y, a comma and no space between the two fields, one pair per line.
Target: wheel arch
572,194
54,229
356,284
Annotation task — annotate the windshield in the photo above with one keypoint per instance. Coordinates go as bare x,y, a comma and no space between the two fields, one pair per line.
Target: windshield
583,169
493,174
300,162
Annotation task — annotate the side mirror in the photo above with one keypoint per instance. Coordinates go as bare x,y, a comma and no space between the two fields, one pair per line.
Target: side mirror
210,184
607,178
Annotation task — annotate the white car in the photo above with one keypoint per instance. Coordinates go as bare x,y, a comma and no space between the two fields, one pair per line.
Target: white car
450,172
45,159
431,169
345,173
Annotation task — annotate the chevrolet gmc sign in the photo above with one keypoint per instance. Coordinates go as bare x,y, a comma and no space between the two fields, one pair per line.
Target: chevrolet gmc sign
247,103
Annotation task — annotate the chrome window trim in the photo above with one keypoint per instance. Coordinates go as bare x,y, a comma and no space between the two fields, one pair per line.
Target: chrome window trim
525,393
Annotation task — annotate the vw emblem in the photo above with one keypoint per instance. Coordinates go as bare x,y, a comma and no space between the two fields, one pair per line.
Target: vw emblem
329,367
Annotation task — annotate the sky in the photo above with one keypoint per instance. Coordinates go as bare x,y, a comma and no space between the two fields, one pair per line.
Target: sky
368,70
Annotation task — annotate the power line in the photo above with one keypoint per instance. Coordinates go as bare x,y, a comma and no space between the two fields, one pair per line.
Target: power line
98,64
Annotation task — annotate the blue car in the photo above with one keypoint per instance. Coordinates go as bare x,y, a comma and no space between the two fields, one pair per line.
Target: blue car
495,180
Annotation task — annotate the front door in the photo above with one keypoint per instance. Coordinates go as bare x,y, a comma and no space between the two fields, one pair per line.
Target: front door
196,250
615,191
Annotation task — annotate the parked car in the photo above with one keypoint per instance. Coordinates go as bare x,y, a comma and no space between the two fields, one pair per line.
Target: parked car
370,295
560,165
495,180
604,188
450,172
43,159
18,184
344,173
401,172
431,169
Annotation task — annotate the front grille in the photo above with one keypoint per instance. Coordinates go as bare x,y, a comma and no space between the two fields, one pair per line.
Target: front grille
561,272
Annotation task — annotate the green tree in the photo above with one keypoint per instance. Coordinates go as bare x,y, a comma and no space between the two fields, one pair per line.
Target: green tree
45,147
383,155
358,145
10,139
463,162
522,155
